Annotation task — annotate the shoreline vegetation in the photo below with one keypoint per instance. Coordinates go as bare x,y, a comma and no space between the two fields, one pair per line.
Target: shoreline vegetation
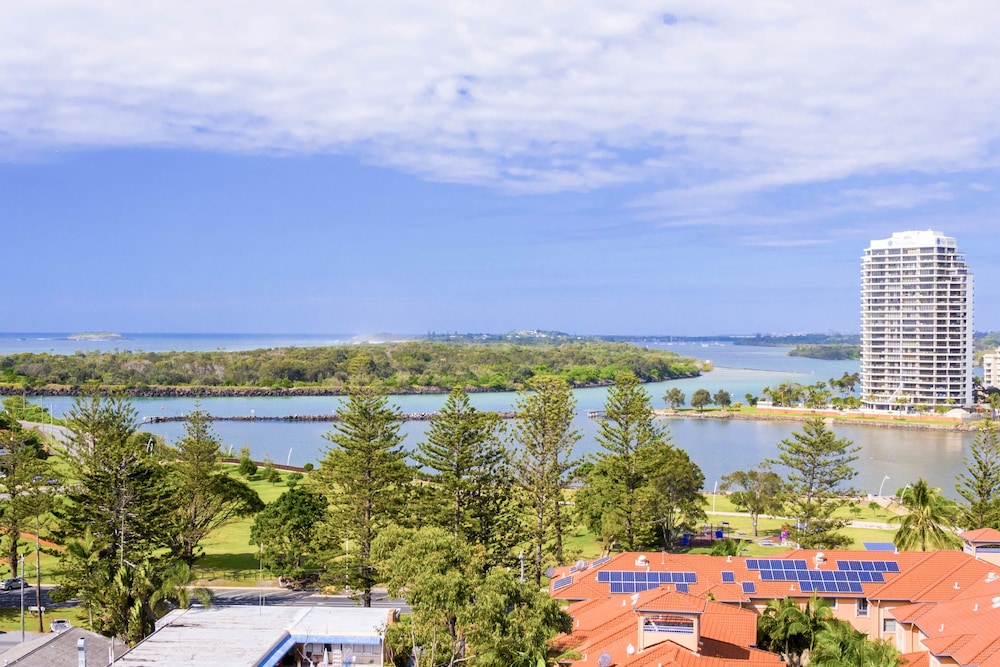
411,367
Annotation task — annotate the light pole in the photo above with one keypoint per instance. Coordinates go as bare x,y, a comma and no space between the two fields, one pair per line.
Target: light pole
880,486
902,496
22,598
715,490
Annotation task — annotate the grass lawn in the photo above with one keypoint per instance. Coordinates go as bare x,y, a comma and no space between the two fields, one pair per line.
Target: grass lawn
10,619
228,555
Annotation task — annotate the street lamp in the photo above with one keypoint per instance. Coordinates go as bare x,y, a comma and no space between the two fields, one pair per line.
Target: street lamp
880,486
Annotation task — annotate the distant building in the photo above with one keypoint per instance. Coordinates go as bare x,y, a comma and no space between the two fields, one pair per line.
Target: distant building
916,323
991,369
74,647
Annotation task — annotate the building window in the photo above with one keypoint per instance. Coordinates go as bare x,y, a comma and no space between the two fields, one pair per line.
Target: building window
832,602
889,625
862,608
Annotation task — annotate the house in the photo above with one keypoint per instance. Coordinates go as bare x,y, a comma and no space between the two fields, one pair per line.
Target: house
61,649
938,608
264,636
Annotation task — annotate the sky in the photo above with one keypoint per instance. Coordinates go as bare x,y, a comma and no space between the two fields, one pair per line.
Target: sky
673,167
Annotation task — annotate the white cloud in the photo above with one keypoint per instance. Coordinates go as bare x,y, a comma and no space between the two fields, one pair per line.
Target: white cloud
712,103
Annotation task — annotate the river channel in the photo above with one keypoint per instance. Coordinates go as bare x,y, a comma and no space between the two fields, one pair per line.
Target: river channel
719,447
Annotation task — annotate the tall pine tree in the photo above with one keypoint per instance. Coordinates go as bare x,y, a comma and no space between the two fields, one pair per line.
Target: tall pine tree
210,496
471,489
543,431
629,436
979,485
365,478
113,521
818,464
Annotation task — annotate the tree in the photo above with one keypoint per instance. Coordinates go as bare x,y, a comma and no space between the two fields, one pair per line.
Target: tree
818,463
611,502
286,532
460,612
543,429
674,494
760,491
928,520
209,496
979,485
674,398
23,472
364,477
790,630
722,398
700,398
471,486
840,645
112,522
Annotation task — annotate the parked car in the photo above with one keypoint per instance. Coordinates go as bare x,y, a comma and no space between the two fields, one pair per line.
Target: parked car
12,583
60,625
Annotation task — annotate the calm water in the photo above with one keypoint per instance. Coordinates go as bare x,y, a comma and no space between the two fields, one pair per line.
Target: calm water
718,447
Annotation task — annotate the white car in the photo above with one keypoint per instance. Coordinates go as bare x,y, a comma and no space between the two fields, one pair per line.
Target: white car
12,583
60,625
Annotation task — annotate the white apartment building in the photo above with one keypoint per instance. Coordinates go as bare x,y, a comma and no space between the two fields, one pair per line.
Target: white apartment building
916,323
991,369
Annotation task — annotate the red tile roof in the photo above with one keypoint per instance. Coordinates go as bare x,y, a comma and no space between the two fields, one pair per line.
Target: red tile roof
982,535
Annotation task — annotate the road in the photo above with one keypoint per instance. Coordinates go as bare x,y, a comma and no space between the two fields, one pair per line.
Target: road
281,596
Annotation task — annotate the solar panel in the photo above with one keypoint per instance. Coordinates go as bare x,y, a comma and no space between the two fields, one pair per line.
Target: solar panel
878,577
892,566
616,587
641,576
601,561
766,575
880,566
879,546
729,577
682,588
749,587
691,577
827,576
562,583
806,586
869,566
855,587
843,565
753,564
603,577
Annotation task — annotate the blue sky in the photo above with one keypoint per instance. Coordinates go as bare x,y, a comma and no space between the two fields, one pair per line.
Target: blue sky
663,167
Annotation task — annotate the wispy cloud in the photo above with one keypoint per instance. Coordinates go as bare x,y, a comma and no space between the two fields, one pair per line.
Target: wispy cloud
704,104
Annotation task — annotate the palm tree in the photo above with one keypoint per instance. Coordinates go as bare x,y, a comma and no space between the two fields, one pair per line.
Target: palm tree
840,645
929,519
790,629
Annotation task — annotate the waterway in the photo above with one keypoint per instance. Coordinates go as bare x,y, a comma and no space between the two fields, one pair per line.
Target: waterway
718,447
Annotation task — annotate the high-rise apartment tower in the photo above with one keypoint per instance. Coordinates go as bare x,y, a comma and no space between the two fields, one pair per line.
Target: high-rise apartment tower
916,323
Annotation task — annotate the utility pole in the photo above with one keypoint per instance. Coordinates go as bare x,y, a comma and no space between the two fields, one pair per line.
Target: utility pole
38,577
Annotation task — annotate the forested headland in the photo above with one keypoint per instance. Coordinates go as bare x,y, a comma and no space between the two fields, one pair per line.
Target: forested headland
405,367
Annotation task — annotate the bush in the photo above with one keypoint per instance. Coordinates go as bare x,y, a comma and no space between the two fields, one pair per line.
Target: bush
247,467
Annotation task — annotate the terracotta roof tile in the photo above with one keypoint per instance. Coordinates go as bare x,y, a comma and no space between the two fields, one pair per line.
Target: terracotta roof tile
982,535
916,659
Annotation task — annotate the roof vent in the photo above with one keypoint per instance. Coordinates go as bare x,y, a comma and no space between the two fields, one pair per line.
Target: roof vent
956,586
941,629
991,577
820,557
630,649
641,561
975,607
729,559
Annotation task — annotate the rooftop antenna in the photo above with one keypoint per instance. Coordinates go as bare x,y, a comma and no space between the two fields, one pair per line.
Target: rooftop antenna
604,660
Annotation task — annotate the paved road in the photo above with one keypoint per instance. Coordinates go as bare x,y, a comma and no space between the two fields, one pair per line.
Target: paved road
256,596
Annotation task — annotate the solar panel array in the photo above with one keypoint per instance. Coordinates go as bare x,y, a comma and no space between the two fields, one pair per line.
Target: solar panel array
656,578
776,564
632,586
562,583
601,561
681,588
868,565
749,587
822,575
728,577
830,586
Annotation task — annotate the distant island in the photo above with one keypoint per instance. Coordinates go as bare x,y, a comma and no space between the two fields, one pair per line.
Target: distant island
95,336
